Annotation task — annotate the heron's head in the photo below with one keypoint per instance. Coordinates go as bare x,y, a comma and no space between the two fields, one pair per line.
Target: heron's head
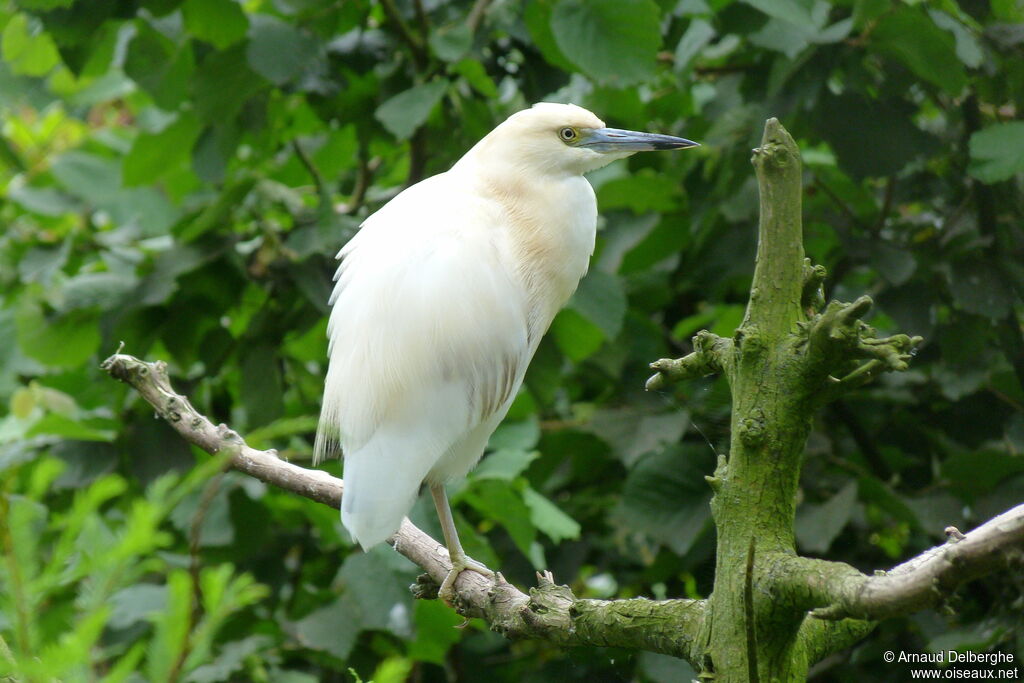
567,139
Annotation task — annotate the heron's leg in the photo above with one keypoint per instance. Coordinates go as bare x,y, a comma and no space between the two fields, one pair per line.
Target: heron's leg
460,561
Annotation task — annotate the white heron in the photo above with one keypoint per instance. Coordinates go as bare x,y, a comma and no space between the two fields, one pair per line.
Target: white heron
441,300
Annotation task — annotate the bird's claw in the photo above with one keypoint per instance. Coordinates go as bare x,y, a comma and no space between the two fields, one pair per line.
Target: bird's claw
460,564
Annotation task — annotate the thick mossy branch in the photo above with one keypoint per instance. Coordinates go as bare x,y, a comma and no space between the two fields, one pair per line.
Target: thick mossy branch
778,286
784,358
711,354
819,638
835,591
748,636
549,612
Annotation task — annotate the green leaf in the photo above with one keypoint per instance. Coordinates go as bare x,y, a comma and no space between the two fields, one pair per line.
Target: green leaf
909,36
97,180
577,337
287,426
613,41
222,85
504,464
781,36
171,627
665,496
232,659
58,341
548,518
601,299
277,50
520,435
212,152
818,525
451,41
136,603
968,480
499,501
93,178
698,34
216,213
997,152
979,288
153,155
968,47
795,12
221,23
213,515
476,75
436,631
58,425
886,138
261,384
44,5
46,201
537,17
159,66
27,48
408,110
380,592
894,264
660,239
332,628
641,192
633,432
106,290
393,670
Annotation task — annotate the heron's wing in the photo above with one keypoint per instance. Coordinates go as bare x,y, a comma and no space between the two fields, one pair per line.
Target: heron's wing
428,342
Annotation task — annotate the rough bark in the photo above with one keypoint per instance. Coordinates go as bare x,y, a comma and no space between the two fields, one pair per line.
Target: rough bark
784,362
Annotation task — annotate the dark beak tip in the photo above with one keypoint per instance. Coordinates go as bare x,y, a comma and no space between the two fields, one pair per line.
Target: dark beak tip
684,144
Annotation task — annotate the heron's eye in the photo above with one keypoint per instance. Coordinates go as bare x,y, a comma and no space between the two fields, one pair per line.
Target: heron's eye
567,134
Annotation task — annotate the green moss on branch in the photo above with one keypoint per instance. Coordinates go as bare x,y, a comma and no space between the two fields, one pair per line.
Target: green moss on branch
711,354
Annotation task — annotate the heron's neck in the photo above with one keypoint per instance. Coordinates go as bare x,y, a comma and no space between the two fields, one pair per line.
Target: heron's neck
549,228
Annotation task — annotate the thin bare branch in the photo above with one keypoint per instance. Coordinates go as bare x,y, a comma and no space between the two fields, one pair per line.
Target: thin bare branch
476,14
413,40
549,612
834,590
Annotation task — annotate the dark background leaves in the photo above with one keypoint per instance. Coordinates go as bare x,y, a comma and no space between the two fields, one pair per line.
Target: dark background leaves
178,175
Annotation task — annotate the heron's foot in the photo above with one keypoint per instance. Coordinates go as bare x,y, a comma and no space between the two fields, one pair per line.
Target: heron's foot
460,563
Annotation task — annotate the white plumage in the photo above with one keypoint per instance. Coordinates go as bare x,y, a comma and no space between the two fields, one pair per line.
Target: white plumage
441,300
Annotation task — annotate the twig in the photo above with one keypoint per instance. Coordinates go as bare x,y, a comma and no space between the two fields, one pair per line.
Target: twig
415,43
820,184
322,192
422,19
364,176
864,442
879,223
417,156
476,14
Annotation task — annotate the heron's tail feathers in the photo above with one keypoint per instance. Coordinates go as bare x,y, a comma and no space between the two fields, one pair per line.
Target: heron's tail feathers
381,484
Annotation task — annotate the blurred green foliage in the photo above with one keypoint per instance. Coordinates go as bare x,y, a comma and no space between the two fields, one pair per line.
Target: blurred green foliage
178,175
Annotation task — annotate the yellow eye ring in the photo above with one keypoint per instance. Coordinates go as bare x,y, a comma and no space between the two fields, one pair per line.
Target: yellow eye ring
567,134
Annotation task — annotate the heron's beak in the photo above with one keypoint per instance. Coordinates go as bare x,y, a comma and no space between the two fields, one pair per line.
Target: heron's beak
616,140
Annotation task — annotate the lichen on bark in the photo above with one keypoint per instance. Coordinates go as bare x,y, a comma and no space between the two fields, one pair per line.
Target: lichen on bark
781,364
